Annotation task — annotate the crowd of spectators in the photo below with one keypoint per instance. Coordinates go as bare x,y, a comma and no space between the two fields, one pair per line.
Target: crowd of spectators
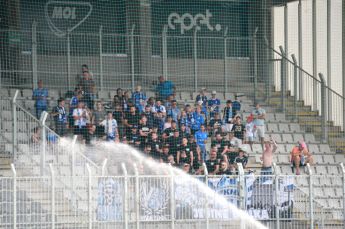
161,128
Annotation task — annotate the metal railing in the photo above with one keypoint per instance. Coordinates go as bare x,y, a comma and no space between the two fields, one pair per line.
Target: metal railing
170,201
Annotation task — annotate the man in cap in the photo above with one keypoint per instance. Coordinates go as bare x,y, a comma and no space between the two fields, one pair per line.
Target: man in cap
259,115
213,104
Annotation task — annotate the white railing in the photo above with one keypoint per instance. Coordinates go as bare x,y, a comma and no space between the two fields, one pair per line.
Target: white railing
167,201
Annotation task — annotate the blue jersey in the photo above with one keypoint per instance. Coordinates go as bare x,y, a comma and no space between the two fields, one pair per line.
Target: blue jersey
174,113
200,138
214,105
138,98
40,95
165,89
61,117
197,120
202,98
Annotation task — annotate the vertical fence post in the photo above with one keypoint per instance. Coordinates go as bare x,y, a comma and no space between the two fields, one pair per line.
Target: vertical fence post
89,201
343,65
100,40
125,202
343,171
14,117
206,201
73,168
137,197
14,173
165,52
43,120
329,60
314,36
104,166
323,109
282,79
255,57
311,197
300,49
195,58
276,195
225,61
295,86
270,69
172,197
34,54
241,188
132,59
68,61
52,174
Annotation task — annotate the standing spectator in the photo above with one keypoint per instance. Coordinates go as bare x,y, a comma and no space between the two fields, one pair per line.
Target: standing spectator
197,120
201,139
40,96
227,116
88,86
127,102
185,121
215,125
174,143
36,136
212,164
236,106
185,150
131,119
155,144
242,158
238,128
118,98
259,115
73,104
213,104
139,99
110,128
119,116
159,113
60,117
80,116
267,158
174,111
144,130
164,88
183,131
97,117
250,131
224,169
169,132
149,115
202,97
221,144
168,101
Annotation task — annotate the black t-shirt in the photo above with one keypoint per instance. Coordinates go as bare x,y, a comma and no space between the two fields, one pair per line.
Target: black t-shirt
144,129
215,123
238,130
220,146
184,134
118,116
132,119
169,132
187,148
243,161
155,146
174,145
211,165
185,157
226,172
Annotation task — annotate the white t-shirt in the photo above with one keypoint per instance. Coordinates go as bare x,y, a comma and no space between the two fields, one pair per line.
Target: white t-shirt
156,109
250,129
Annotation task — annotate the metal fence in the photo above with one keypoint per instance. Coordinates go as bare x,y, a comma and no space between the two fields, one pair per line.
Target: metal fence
136,200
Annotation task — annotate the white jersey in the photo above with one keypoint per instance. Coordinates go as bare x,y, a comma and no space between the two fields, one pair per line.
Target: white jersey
83,117
110,127
250,129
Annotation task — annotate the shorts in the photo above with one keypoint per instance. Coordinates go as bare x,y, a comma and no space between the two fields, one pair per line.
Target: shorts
260,131
250,139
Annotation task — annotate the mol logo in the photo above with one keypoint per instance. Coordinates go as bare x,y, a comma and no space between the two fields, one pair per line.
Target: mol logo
188,21
63,17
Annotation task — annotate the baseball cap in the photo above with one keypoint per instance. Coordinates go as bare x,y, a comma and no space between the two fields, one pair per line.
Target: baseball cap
214,92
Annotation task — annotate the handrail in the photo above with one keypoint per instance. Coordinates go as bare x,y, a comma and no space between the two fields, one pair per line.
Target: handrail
302,70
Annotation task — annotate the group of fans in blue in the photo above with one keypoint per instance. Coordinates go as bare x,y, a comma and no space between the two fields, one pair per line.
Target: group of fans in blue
158,126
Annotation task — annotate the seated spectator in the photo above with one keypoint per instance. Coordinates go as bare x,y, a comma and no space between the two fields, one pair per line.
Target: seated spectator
151,102
60,117
88,86
213,104
164,88
81,116
97,117
212,164
224,169
242,158
300,156
250,132
215,125
168,102
238,128
233,148
174,111
227,117
139,99
110,128
259,115
40,95
201,139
